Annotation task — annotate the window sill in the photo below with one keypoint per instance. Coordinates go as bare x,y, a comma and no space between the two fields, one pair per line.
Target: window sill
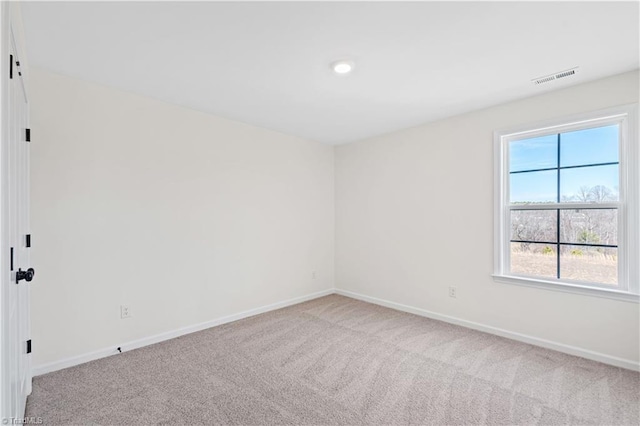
568,288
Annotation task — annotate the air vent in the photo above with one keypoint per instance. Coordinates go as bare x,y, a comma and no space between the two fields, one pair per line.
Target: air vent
555,76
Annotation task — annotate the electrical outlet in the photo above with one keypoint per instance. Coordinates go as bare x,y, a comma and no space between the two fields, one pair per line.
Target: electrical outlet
314,275
453,292
125,312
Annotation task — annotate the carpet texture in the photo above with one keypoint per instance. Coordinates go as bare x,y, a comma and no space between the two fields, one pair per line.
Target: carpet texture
338,361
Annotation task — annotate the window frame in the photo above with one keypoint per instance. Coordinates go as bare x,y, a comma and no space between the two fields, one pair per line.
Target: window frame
628,210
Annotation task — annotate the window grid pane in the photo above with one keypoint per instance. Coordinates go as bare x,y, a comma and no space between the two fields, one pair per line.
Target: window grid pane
534,259
589,264
592,145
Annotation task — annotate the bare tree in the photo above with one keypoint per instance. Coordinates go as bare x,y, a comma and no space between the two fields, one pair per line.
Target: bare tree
600,194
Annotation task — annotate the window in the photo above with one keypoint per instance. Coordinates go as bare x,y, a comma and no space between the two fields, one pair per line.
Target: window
567,205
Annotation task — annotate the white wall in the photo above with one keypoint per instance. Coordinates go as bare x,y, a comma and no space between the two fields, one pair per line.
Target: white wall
184,216
414,215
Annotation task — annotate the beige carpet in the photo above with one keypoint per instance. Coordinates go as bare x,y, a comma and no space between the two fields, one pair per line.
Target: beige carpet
336,360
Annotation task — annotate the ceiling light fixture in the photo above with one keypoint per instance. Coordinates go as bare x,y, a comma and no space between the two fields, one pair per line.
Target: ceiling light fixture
342,67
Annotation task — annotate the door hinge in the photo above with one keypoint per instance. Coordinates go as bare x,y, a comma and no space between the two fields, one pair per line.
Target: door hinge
12,258
27,135
29,346
28,240
10,66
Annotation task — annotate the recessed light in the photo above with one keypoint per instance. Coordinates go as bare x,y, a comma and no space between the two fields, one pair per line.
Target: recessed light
342,67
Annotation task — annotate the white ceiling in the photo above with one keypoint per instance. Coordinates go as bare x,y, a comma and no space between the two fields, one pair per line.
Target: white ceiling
267,64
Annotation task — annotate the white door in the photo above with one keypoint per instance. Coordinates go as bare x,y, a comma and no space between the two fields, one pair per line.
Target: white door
16,344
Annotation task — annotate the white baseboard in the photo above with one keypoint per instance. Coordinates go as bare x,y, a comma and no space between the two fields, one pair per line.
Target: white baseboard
560,347
146,341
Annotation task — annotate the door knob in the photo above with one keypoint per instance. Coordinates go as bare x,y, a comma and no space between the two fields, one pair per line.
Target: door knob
25,275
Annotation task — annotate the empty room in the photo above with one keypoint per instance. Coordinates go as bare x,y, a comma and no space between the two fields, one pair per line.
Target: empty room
319,213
